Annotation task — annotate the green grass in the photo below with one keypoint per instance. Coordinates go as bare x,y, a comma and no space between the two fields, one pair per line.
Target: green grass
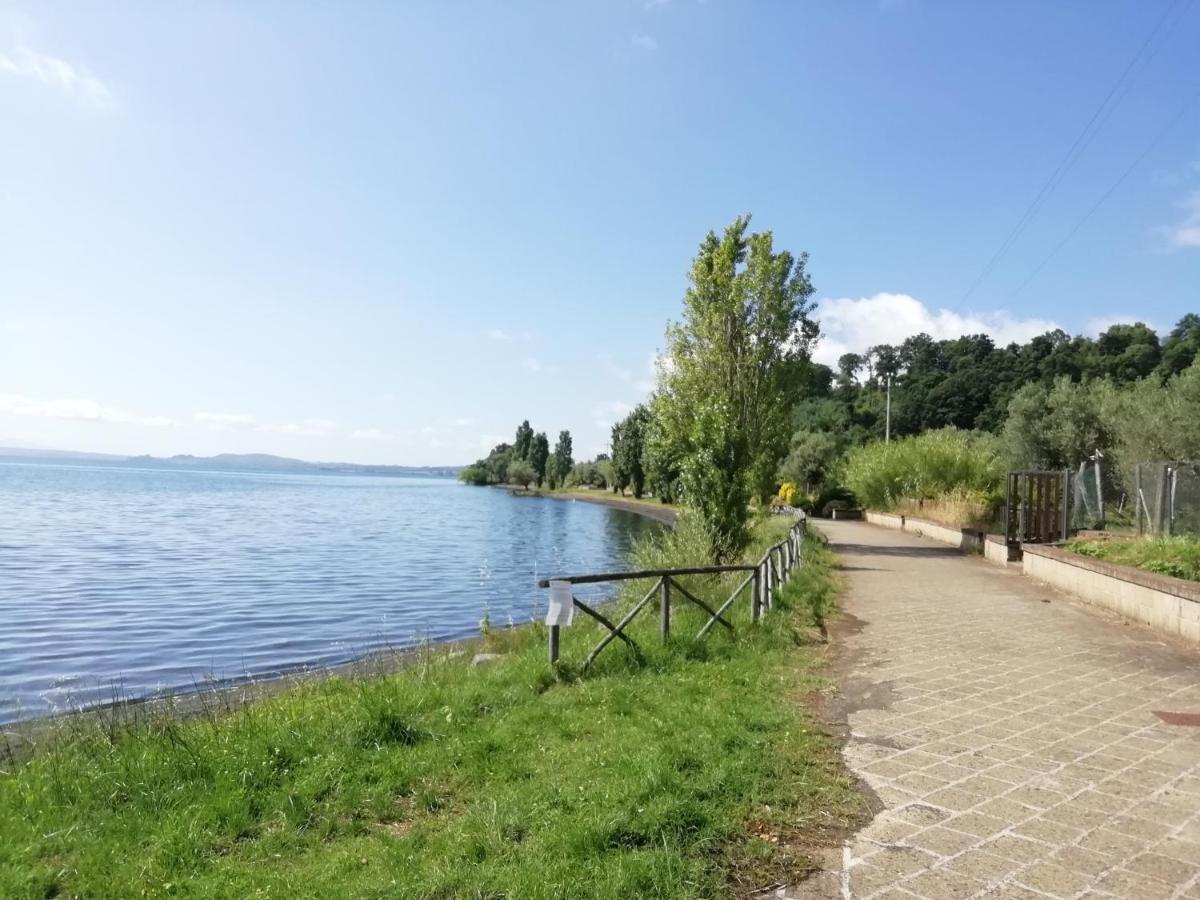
694,772
1178,556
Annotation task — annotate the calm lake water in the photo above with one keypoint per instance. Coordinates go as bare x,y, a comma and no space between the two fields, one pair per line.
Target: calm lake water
160,579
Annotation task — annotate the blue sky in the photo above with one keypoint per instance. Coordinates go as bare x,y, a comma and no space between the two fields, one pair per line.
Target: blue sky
387,232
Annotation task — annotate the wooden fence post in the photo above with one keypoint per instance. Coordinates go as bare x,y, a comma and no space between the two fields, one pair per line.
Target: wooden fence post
756,597
553,644
664,612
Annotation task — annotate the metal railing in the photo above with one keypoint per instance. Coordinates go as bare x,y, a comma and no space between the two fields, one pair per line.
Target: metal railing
764,578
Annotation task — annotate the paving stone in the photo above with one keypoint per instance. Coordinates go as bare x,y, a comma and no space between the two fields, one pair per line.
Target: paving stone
983,866
1123,883
1024,759
943,884
1017,848
942,841
1088,862
1051,878
977,824
1165,868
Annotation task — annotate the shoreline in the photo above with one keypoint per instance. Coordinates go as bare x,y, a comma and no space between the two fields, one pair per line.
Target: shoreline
664,515
202,697
228,695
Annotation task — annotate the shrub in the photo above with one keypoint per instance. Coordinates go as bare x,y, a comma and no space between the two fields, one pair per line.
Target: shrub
788,493
925,467
521,473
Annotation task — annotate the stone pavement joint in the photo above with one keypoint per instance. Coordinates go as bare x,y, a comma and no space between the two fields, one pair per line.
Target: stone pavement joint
1010,736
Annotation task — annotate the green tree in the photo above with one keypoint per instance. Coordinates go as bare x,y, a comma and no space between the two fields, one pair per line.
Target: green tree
1060,426
620,459
475,474
661,460
1182,346
539,455
736,355
521,473
812,455
629,444
1129,352
524,441
497,463
560,462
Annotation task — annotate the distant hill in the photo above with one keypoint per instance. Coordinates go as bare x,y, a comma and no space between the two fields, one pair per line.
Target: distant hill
240,462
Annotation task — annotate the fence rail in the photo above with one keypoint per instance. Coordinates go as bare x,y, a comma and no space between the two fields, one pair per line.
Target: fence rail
763,577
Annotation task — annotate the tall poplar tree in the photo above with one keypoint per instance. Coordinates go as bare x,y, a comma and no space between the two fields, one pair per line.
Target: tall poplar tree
524,441
539,454
736,359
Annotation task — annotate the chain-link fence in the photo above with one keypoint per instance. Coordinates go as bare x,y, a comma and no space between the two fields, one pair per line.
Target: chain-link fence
1099,500
1168,497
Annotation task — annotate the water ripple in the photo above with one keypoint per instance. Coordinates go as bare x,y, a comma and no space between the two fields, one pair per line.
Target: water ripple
156,579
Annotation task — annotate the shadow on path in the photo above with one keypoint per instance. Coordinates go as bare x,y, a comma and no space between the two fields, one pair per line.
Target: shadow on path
895,550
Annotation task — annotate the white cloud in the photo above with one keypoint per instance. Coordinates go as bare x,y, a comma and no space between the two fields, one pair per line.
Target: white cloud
644,42
531,365
77,410
73,80
853,325
304,428
373,434
225,421
650,382
499,334
607,414
610,366
642,384
1185,234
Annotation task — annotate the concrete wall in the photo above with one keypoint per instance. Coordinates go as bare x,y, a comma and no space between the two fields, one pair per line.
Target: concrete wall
995,549
966,539
887,520
1169,605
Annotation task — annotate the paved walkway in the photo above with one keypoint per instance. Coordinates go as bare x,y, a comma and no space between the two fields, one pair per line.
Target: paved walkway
1009,735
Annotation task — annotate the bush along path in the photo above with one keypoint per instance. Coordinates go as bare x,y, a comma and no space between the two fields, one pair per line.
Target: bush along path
689,772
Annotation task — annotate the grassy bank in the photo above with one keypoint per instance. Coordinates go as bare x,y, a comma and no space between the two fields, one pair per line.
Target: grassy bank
690,772
1177,556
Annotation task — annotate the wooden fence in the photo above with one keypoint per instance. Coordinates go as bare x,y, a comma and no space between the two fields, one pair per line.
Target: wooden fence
763,578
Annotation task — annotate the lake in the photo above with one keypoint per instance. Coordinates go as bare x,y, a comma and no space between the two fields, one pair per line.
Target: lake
156,580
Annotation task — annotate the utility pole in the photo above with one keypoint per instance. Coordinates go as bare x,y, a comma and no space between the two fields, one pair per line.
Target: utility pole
887,422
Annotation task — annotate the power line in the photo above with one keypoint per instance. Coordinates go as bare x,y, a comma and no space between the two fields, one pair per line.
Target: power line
1085,137
1108,193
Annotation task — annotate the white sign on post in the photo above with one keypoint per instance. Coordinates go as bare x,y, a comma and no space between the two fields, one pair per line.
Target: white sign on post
562,609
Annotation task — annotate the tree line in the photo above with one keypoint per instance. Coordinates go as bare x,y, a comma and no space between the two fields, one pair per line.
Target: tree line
1046,397
527,461
740,408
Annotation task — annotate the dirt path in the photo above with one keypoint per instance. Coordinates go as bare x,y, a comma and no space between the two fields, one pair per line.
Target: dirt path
1009,736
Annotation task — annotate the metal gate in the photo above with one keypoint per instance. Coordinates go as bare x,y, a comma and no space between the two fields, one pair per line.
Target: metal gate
1038,507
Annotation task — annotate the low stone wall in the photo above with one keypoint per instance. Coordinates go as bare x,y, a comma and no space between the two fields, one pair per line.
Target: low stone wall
1169,605
887,520
966,539
995,549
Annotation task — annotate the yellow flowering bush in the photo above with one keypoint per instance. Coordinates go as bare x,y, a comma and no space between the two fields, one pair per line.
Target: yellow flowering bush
788,493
